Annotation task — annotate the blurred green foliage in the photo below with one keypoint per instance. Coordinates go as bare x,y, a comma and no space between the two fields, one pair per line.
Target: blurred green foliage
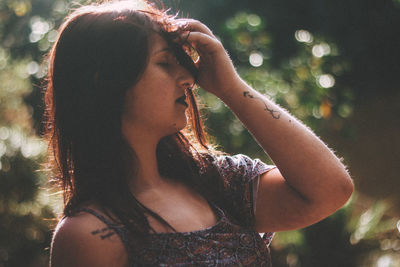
305,83
316,58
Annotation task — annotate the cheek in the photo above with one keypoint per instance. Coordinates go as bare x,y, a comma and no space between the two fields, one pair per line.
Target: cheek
151,108
152,99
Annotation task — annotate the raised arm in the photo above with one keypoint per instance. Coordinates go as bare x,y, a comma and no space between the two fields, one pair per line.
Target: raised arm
310,182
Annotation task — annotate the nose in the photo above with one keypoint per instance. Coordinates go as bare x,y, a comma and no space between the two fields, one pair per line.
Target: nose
185,78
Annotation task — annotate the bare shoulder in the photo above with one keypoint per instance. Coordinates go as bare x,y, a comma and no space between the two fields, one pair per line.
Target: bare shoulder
84,240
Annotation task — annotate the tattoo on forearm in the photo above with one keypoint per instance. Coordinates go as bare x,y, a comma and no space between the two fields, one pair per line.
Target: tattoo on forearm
275,114
104,233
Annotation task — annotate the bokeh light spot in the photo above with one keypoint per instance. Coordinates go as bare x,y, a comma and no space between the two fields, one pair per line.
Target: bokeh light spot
321,50
4,133
52,36
236,127
35,37
302,73
60,7
345,110
21,8
303,36
32,67
232,24
316,112
16,139
325,109
256,59
253,20
32,148
384,261
39,27
326,81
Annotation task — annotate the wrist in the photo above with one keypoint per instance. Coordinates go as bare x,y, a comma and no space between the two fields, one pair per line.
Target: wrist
233,90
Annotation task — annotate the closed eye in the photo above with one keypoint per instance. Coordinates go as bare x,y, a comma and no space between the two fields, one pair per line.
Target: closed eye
164,64
168,63
168,59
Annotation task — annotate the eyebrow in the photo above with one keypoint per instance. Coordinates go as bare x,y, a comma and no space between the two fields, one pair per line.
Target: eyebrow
165,49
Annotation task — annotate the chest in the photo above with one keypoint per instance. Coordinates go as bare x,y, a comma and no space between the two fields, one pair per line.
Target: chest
224,244
184,212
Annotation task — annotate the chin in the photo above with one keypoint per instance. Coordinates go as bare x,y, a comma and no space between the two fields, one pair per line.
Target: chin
177,126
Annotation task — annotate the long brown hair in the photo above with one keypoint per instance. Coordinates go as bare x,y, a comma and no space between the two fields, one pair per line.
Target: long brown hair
100,52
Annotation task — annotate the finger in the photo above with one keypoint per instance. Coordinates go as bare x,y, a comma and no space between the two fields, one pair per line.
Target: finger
201,40
195,26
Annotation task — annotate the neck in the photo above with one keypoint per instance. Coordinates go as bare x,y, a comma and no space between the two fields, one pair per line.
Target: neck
147,176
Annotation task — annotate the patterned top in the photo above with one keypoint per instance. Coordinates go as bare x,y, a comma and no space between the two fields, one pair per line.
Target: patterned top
227,243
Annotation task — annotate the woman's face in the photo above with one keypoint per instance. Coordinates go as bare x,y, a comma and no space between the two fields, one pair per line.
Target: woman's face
151,106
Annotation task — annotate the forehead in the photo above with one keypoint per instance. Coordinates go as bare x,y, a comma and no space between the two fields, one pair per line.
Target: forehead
157,44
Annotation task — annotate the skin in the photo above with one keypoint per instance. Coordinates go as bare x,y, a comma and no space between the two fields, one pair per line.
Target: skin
151,111
309,183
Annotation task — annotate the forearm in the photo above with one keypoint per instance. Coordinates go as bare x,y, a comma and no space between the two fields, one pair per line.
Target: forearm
310,182
305,162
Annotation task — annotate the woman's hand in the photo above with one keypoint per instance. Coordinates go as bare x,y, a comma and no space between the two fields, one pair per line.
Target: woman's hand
216,71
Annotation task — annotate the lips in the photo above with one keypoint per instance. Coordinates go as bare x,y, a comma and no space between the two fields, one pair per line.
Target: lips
182,100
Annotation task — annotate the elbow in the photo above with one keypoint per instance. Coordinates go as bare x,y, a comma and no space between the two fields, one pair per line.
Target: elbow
348,187
336,197
347,184
339,192
345,189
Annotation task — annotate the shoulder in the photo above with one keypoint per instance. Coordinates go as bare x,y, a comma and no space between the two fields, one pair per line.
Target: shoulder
242,166
84,240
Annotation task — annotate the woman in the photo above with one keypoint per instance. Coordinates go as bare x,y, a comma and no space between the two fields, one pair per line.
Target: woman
141,183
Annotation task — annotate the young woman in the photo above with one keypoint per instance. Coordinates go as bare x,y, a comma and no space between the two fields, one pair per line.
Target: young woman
141,184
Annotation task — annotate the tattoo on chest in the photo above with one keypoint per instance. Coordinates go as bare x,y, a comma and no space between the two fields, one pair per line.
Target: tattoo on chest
104,232
274,113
